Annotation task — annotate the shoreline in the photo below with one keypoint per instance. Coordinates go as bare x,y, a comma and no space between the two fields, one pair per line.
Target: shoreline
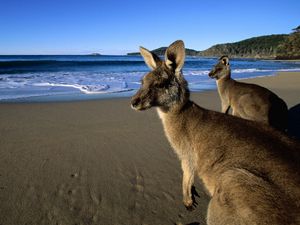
100,162
81,97
74,78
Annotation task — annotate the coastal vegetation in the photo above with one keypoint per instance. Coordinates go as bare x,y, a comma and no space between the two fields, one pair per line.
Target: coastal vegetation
290,48
257,47
275,46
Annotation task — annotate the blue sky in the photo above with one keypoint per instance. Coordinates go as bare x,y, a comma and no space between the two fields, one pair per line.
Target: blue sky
117,27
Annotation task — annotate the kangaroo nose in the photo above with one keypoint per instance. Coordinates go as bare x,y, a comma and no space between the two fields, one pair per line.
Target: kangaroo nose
211,75
135,102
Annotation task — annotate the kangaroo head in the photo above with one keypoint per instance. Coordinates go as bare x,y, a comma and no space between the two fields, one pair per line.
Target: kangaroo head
221,69
164,86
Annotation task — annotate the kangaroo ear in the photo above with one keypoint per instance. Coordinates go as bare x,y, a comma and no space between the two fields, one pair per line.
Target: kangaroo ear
150,58
175,55
225,60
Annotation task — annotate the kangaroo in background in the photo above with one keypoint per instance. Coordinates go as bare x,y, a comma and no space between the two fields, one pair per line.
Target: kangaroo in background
251,171
249,101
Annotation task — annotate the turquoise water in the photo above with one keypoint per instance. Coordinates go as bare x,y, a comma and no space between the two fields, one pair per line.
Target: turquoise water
65,78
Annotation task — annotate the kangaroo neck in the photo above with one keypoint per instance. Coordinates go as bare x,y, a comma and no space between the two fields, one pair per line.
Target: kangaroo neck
225,83
174,110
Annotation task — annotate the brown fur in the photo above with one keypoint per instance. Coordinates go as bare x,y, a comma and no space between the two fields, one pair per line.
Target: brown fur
248,101
250,170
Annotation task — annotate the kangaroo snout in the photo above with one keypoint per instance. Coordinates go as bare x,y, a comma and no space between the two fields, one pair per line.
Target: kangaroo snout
211,75
135,101
140,103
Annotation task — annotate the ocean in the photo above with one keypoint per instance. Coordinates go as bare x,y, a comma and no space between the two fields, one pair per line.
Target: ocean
79,77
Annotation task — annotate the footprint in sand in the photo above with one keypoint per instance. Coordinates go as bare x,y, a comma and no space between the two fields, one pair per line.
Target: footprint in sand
138,188
168,196
80,198
74,175
71,191
139,184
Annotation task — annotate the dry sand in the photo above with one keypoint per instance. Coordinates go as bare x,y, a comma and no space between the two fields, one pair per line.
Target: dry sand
100,162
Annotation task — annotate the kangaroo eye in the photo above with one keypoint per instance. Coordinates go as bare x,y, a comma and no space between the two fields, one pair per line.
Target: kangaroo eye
162,85
159,85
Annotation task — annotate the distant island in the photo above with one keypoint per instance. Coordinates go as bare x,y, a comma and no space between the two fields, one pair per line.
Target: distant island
279,46
94,54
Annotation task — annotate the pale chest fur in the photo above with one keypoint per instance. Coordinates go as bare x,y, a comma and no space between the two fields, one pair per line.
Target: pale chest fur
222,90
184,148
173,131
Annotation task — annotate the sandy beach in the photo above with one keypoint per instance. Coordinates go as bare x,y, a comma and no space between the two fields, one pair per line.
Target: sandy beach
100,162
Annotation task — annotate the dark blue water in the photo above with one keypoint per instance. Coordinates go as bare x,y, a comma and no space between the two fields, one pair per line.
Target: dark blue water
63,77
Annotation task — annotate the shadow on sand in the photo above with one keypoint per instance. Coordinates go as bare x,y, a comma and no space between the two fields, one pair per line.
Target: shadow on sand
294,122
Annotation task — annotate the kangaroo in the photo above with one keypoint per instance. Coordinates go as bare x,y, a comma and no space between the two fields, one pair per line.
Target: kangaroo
249,101
251,171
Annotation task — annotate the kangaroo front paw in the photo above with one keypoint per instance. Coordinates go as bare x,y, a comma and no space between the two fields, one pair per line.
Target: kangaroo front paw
190,208
189,204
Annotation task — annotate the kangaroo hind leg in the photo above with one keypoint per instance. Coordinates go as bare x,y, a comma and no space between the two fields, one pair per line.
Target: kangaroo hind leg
220,212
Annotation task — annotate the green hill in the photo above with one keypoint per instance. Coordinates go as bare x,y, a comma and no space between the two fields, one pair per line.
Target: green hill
276,46
257,47
290,48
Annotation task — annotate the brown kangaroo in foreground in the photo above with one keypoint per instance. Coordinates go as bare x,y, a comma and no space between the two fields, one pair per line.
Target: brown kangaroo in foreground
251,171
248,101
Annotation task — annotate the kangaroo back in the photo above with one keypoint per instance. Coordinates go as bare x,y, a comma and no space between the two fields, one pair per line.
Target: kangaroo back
278,113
